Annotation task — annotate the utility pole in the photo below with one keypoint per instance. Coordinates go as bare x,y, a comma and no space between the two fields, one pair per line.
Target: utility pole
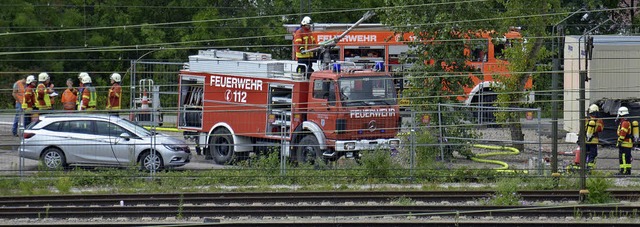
557,44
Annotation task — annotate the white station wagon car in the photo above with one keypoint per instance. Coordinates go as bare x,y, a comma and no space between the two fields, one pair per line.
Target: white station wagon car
100,140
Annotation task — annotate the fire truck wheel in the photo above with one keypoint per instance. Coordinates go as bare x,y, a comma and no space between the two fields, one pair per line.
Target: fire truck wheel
309,150
221,146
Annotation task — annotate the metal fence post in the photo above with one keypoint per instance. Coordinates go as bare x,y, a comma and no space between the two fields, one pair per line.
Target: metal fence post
539,131
441,140
412,137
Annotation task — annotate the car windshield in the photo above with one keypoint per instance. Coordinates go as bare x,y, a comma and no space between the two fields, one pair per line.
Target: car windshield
367,91
133,127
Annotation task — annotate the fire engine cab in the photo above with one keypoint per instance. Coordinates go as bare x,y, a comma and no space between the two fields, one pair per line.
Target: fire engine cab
235,102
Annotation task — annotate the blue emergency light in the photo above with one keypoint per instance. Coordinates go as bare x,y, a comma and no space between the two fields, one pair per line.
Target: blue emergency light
379,66
336,67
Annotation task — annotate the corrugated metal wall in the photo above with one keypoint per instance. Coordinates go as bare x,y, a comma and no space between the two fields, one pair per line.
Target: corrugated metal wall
614,71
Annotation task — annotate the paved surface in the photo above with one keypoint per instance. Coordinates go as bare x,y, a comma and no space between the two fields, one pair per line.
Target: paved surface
10,163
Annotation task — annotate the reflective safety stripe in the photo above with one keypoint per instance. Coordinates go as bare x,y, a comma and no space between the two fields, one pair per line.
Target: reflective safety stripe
69,99
28,99
93,99
43,100
624,133
303,41
114,97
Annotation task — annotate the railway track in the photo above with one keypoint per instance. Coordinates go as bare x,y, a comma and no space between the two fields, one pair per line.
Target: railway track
342,207
294,197
334,211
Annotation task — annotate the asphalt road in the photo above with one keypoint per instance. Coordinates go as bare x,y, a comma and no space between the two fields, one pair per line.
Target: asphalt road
10,163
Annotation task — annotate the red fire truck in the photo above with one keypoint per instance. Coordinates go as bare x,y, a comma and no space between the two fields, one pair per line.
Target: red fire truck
235,102
371,43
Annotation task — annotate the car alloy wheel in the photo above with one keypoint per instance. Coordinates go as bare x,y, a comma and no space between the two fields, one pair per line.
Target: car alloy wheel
152,162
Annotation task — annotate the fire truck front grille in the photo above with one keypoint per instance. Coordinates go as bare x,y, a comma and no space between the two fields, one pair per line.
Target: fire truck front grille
371,128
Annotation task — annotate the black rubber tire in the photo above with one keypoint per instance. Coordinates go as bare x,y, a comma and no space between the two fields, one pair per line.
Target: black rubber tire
53,158
147,161
486,115
221,146
308,150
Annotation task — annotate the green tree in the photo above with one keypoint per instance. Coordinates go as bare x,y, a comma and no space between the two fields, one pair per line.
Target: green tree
443,22
443,30
523,56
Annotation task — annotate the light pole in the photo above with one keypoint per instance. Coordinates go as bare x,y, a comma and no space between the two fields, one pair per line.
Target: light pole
554,91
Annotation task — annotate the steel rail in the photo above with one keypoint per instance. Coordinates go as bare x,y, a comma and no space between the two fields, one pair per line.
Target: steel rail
340,211
294,197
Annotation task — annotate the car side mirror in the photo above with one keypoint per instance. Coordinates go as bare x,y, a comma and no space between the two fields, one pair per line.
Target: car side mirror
125,136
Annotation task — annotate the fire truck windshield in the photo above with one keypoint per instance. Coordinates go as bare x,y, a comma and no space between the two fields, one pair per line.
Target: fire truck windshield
367,91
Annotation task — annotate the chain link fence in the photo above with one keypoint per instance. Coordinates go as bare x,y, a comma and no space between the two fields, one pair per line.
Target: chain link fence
448,139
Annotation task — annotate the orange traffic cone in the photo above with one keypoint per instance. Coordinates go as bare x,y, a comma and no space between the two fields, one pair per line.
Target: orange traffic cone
145,100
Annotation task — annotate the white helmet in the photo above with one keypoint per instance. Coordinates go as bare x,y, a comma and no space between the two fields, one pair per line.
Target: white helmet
594,108
82,74
116,77
42,77
623,111
86,79
31,79
306,20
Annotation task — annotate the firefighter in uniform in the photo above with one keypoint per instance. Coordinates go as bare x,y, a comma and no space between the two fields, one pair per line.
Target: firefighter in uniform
114,97
80,89
18,96
43,93
29,99
594,126
303,40
624,142
89,97
69,97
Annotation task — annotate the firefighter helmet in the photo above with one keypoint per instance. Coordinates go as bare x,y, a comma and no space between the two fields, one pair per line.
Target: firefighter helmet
31,79
116,77
594,108
82,74
306,20
86,79
622,111
42,77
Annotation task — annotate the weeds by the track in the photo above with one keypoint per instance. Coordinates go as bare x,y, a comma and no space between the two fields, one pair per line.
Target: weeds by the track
264,173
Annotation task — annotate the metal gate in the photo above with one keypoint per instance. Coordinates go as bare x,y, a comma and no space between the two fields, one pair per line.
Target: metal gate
154,91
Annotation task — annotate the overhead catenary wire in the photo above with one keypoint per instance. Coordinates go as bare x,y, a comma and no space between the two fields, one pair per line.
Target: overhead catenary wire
164,45
222,19
150,46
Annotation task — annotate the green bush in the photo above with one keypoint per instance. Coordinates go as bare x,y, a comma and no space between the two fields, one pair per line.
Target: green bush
376,165
64,184
598,184
506,193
